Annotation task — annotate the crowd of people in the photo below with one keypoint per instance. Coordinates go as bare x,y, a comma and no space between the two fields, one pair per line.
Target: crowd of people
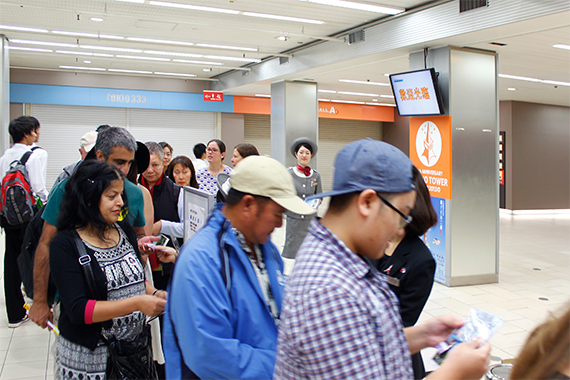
220,306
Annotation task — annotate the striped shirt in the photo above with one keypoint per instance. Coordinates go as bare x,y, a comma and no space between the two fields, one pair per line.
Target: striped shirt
339,318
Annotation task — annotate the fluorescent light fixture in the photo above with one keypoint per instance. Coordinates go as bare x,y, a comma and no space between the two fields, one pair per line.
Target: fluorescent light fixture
39,50
130,71
173,53
23,29
84,53
194,7
175,74
144,58
110,48
561,46
328,91
364,82
263,95
86,61
239,59
536,80
387,96
226,47
96,19
511,89
324,100
207,70
90,35
82,68
283,18
198,62
43,43
359,6
356,93
346,101
381,104
282,38
155,41
132,1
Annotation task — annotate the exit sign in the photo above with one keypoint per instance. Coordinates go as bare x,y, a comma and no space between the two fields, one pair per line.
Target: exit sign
213,96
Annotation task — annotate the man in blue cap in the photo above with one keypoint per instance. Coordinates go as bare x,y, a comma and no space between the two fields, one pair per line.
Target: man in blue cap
339,318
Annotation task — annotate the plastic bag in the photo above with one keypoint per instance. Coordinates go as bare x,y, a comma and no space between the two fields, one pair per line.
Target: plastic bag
130,360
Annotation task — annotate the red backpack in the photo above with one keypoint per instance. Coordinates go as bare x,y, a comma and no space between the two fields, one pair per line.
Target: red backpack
18,204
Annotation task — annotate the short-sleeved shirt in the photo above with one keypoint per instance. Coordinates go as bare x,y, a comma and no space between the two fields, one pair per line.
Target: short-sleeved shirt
207,182
135,215
339,319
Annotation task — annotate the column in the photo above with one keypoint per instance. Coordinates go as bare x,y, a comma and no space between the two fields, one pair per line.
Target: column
468,235
4,93
294,114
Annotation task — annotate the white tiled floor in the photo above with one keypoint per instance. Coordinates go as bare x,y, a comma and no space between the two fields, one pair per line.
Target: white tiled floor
534,264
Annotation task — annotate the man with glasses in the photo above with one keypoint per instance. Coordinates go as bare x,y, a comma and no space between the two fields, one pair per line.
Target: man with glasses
340,320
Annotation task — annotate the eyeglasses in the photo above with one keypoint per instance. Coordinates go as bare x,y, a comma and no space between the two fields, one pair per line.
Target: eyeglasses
407,219
210,150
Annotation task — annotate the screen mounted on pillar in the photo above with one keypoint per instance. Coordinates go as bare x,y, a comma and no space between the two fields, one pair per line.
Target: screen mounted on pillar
417,93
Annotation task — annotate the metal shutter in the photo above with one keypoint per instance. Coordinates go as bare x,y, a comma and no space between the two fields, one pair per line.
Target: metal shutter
257,131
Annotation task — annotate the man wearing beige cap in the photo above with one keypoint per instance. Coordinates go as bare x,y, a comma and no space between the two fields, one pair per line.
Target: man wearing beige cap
225,296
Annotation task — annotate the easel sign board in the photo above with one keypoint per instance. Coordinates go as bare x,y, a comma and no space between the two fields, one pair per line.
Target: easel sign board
197,207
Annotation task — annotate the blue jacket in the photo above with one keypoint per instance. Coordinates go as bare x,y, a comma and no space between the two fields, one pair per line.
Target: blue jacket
214,335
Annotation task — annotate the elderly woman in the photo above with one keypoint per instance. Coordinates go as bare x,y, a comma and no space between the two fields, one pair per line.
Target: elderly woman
215,153
307,183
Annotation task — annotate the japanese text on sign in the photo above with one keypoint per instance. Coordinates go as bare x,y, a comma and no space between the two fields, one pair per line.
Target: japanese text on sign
414,93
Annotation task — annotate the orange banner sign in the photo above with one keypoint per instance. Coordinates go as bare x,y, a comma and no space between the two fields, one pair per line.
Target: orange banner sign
430,151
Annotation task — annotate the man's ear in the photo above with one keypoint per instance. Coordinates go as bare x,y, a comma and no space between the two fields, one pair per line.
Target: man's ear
249,206
365,202
99,156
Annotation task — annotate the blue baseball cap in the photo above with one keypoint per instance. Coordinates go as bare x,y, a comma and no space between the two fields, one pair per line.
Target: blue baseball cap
370,164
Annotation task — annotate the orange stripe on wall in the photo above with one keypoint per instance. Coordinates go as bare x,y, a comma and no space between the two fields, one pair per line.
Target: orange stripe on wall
327,110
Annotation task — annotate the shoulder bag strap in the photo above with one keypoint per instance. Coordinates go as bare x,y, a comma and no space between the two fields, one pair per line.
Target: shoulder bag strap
85,261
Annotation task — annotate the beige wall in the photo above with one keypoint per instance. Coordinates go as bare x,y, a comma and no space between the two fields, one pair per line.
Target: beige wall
398,132
538,144
232,133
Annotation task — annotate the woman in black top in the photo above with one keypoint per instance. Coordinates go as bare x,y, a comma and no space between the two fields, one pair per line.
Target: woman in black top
93,204
409,264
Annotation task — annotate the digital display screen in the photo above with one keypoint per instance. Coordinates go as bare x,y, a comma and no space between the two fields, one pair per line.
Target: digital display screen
416,93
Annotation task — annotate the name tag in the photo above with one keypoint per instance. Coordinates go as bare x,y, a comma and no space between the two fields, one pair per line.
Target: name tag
393,281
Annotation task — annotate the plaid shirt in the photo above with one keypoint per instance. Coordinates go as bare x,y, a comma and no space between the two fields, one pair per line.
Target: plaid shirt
339,318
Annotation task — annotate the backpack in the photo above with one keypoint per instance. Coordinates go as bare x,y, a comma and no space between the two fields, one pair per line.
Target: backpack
17,202
27,257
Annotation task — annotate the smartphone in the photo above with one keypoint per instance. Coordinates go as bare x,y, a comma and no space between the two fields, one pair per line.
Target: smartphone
163,240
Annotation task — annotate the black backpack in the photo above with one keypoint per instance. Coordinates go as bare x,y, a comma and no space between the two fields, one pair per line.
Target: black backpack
18,204
28,255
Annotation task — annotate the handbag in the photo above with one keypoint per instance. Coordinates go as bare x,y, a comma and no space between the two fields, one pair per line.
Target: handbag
128,359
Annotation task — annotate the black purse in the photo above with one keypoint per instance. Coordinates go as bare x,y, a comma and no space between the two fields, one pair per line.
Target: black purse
128,359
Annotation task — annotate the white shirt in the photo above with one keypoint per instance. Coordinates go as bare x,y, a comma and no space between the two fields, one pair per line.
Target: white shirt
36,167
175,229
198,163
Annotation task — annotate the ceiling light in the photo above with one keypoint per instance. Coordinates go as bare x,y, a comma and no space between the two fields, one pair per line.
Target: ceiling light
96,19
346,101
282,38
536,80
381,104
155,41
359,6
208,69
90,35
82,68
387,96
386,75
511,89
175,74
357,93
39,50
130,71
374,100
364,82
283,18
263,95
84,53
194,7
197,62
239,59
226,47
45,43
144,58
110,48
561,46
132,1
23,29
328,91
157,52
324,100
86,61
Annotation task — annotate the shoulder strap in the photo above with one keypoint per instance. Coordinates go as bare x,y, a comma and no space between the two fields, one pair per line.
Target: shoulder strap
27,155
85,262
226,269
